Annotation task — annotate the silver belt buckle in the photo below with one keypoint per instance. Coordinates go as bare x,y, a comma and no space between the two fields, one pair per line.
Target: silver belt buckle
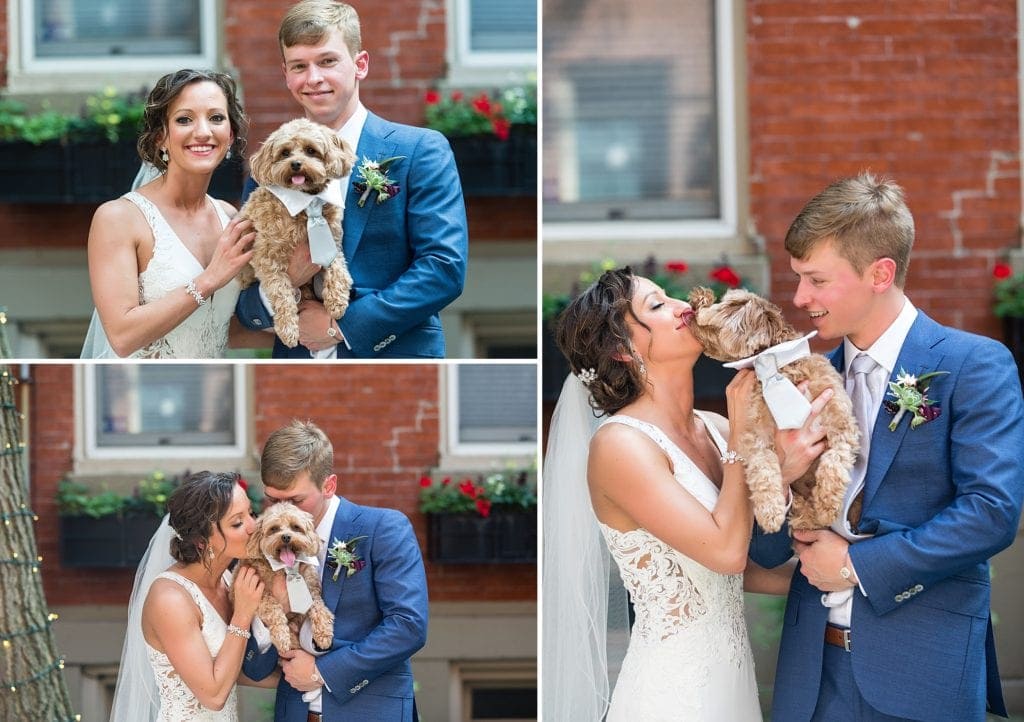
846,639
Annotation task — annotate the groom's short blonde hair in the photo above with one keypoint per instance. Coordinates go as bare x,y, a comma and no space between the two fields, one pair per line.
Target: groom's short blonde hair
309,22
300,446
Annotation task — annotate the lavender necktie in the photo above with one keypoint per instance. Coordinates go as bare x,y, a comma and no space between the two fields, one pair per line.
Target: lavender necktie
322,246
865,410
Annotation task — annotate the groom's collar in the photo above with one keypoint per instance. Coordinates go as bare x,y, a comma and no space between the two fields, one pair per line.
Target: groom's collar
886,349
353,128
323,529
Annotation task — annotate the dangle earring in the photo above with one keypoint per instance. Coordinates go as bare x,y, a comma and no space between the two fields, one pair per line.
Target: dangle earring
227,156
212,554
164,156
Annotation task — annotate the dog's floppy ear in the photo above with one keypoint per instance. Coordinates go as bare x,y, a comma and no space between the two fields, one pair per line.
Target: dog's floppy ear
252,547
261,162
340,157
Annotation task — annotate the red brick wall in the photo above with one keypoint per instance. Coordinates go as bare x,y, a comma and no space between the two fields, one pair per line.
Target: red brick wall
924,91
406,40
383,421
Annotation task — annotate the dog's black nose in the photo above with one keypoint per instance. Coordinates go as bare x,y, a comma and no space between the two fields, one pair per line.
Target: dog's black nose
296,164
286,538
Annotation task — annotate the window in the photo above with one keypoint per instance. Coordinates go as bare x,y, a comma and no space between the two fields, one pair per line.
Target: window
91,35
164,411
638,116
498,692
492,409
490,38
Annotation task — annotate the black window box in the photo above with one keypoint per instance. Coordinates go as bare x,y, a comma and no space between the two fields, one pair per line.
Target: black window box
106,541
504,537
489,166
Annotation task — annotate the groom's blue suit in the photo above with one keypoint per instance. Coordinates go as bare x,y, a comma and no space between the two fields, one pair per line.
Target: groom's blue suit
380,621
940,500
407,256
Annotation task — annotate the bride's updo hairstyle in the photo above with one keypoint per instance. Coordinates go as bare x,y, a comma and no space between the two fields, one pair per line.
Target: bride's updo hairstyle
166,90
196,508
593,330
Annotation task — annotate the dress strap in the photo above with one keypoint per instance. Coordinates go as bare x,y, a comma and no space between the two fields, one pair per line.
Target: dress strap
191,587
220,211
148,208
674,453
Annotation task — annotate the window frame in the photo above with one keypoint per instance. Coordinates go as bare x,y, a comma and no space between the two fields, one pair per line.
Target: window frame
467,68
91,451
31,74
726,226
474,455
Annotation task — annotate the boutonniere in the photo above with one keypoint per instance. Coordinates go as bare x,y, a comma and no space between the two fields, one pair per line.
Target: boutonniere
373,176
342,554
910,393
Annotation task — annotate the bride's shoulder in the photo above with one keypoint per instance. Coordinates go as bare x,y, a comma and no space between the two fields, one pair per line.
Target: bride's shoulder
168,596
621,442
119,215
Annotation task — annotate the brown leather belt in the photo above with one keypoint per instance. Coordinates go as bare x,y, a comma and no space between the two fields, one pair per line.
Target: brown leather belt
838,636
313,717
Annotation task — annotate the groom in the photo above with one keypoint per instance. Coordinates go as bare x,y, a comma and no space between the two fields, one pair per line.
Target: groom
379,599
888,614
406,249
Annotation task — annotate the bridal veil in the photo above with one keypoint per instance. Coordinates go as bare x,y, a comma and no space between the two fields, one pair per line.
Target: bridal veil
581,595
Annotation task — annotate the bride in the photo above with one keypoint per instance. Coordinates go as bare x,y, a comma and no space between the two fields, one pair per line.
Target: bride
183,649
162,259
671,505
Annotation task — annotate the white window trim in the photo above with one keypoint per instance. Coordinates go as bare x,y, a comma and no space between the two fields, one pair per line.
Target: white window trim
30,75
90,451
467,68
474,456
724,227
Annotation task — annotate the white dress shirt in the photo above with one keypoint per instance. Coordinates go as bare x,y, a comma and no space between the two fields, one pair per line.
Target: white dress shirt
885,352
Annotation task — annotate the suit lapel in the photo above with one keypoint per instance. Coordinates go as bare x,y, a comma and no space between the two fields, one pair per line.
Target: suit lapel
373,145
347,523
917,356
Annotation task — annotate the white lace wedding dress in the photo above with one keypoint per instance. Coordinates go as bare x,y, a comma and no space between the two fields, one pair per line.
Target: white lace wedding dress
689,656
177,703
204,334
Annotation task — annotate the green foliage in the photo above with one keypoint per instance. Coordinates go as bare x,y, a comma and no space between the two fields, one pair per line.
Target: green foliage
107,115
458,115
148,498
512,489
1009,294
673,276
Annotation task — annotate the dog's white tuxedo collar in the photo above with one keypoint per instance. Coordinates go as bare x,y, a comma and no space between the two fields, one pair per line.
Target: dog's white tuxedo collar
788,406
277,565
296,201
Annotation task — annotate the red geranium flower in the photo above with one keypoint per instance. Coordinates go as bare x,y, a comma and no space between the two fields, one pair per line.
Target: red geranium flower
425,481
432,97
725,274
483,506
501,127
677,266
482,104
457,95
1002,270
467,488
446,481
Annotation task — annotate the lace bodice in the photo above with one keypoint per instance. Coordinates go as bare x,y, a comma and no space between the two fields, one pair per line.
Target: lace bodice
688,651
204,334
177,702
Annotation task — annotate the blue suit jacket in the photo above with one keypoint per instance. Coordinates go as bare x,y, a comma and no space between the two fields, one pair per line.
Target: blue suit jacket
380,621
407,256
941,500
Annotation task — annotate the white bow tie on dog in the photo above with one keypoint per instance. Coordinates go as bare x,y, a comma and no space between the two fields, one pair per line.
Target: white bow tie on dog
299,598
323,246
788,406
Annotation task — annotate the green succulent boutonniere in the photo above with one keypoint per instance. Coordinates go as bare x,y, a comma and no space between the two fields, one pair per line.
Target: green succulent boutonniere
910,393
373,176
342,555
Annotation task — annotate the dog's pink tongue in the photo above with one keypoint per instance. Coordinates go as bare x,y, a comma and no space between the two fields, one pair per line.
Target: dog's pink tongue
298,180
287,557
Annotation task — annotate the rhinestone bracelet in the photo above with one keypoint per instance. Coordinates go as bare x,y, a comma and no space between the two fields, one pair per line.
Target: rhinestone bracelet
194,293
731,457
239,632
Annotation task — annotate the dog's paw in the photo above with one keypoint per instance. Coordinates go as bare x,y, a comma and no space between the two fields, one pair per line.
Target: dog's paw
336,306
770,517
288,333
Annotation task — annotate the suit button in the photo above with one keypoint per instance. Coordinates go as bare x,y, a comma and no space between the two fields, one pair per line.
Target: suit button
391,338
919,588
257,322
899,597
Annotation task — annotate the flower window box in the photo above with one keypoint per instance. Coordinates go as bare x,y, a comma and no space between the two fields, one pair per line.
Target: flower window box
107,541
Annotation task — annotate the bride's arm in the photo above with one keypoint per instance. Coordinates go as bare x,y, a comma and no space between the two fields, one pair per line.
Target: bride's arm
172,622
114,238
759,580
268,682
629,474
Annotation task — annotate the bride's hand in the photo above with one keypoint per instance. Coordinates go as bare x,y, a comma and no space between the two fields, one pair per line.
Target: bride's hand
737,397
233,251
248,590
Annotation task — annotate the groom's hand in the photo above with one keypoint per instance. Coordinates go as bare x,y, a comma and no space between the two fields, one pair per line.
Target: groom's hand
301,268
313,324
822,554
300,670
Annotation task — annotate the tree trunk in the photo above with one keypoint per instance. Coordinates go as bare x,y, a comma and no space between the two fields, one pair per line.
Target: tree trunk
32,685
